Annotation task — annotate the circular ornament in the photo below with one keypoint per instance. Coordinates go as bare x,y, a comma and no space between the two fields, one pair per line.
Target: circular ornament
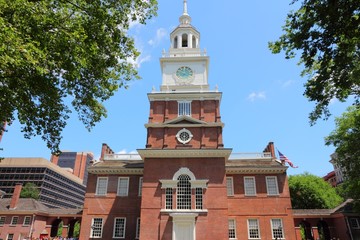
184,136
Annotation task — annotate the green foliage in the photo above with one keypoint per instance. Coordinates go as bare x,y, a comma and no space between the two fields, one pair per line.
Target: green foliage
76,229
30,190
326,34
345,138
308,191
57,51
60,229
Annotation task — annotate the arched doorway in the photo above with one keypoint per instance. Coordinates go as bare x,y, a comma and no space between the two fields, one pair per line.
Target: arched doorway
306,232
55,227
323,230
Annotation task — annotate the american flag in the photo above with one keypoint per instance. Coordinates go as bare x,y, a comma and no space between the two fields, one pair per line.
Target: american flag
283,158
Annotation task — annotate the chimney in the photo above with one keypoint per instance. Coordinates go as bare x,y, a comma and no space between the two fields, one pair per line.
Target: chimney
105,149
16,195
271,149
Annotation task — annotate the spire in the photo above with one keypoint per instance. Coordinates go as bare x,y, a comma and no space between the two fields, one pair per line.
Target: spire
185,19
185,8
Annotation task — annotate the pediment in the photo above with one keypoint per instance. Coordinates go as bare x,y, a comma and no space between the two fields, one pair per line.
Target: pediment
184,120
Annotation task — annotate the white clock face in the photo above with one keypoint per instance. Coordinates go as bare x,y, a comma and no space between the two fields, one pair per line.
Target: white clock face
184,73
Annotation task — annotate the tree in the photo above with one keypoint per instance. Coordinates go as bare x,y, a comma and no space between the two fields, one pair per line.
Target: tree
30,190
345,138
308,191
326,33
53,52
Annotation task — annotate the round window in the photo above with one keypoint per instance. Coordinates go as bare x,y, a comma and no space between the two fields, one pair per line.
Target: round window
184,136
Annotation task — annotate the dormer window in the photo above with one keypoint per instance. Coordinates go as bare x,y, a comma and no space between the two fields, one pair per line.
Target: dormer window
184,40
184,108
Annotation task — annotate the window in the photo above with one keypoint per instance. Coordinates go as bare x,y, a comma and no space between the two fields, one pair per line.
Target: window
123,186
137,228
232,229
10,236
271,185
27,220
249,185
253,228
199,198
14,220
168,198
119,227
101,186
183,192
184,108
229,186
354,223
2,221
277,229
96,228
140,185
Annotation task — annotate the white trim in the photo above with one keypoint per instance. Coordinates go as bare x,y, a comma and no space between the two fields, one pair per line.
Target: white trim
125,194
12,220
280,227
92,228
253,186
184,170
124,227
137,234
179,137
176,153
27,217
232,223
257,225
229,189
268,189
98,186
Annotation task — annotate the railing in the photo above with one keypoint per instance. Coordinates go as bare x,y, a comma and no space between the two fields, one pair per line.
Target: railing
184,52
233,156
242,156
120,156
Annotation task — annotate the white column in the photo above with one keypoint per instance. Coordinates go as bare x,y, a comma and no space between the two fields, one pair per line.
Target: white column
190,40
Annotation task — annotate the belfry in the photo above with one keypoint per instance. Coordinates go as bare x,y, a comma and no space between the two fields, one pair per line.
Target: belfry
185,184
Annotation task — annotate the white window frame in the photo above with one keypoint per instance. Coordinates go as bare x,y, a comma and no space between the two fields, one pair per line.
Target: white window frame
100,189
230,186
184,108
137,235
10,236
119,228
14,220
252,226
199,200
2,220
96,229
272,190
184,192
278,228
250,190
232,228
123,186
140,185
169,198
27,221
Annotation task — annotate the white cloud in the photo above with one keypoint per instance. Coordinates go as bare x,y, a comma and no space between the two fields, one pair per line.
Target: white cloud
288,83
161,33
256,95
140,60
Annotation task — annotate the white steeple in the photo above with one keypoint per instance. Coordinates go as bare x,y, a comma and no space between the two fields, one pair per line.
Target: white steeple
185,66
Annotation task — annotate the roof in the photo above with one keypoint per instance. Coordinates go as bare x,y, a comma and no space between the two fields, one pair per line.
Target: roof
29,205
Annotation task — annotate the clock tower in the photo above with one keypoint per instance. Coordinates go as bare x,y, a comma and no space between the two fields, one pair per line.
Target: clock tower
184,186
185,66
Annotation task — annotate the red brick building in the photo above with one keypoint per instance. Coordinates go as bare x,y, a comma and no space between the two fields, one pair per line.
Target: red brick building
185,184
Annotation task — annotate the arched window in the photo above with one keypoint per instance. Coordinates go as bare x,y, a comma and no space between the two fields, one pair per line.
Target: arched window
183,192
184,40
176,42
194,42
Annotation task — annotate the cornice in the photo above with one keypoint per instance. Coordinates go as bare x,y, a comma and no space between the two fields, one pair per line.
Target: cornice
257,170
184,95
181,153
184,125
115,170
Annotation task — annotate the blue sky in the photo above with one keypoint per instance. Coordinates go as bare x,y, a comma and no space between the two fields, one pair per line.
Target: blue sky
262,93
